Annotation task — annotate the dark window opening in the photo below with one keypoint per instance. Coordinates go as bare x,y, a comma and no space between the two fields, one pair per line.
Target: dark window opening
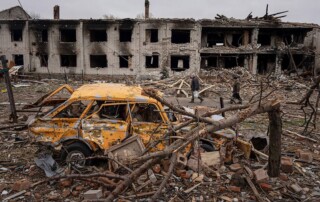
44,35
180,63
18,60
293,38
68,35
115,112
266,63
209,62
288,39
43,60
68,60
74,110
214,39
152,61
180,36
125,35
98,35
302,62
146,113
235,61
264,39
98,61
152,35
124,61
16,35
237,40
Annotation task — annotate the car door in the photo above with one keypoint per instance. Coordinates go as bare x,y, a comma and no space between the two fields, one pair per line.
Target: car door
60,124
150,125
107,126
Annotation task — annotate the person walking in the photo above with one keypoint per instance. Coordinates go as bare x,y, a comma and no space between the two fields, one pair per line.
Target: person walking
195,86
236,91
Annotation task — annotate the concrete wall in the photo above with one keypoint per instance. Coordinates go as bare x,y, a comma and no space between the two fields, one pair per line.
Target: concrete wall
32,47
10,48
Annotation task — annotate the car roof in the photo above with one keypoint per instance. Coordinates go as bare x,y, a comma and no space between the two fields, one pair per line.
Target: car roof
110,91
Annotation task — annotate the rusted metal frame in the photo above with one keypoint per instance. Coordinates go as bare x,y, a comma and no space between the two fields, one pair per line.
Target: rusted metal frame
9,89
65,86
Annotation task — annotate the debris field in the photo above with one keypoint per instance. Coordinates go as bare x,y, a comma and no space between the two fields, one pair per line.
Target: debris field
265,149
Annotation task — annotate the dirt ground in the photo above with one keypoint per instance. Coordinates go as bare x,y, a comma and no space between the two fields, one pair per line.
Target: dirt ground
18,171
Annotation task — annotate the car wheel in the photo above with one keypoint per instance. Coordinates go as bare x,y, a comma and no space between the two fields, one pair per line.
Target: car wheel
75,154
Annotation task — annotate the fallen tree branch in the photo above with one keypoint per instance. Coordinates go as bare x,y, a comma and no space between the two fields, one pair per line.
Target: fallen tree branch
127,182
164,182
301,136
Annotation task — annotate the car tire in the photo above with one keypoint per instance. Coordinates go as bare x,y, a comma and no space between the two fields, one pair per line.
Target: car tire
77,150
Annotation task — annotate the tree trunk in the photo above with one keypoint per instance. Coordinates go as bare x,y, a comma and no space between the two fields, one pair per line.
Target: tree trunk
275,128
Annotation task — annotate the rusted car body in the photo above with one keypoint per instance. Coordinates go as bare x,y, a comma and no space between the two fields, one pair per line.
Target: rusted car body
98,116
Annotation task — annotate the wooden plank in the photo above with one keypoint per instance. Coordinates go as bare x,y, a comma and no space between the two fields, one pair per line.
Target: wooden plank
14,195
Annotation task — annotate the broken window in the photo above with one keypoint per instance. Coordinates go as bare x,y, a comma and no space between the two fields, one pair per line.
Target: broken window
68,35
264,39
44,35
180,36
118,111
98,61
98,35
266,63
18,60
302,62
237,40
233,61
16,35
68,60
74,110
146,113
152,61
180,63
215,39
152,35
124,61
209,62
125,35
43,60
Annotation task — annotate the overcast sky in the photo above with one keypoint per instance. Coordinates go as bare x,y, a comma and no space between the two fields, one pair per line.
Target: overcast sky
299,10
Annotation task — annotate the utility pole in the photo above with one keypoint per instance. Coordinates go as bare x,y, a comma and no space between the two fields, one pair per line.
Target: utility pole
5,72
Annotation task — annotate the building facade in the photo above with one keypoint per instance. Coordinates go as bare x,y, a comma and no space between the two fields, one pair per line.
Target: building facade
146,47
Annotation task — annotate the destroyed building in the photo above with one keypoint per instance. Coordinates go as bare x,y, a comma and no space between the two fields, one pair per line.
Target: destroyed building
146,46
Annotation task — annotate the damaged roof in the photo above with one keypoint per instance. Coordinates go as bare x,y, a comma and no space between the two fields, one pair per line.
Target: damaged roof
111,91
14,13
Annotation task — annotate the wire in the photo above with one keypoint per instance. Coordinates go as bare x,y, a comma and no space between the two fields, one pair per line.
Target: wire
25,12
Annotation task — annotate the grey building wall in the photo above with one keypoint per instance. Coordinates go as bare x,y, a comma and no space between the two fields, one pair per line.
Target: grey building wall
33,48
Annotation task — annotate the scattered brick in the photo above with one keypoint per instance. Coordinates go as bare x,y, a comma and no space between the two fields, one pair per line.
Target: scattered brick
296,188
21,185
283,177
235,167
261,175
234,189
93,194
287,164
266,186
65,182
306,156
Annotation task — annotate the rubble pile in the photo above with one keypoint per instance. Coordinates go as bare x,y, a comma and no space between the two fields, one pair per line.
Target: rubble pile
212,158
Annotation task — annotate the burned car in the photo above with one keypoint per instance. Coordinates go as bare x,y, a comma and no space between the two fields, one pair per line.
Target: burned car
98,116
